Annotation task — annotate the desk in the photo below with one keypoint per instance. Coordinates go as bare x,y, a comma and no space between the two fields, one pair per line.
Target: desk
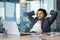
30,37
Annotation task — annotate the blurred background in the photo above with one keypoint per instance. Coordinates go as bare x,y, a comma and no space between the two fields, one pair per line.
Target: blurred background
15,10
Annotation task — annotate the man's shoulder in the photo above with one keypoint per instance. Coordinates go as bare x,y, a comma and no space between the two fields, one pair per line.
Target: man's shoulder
47,18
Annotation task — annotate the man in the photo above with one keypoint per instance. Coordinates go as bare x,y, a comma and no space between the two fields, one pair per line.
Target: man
41,23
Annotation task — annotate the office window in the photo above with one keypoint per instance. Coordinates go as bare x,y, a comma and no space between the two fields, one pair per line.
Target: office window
2,10
17,13
10,12
35,5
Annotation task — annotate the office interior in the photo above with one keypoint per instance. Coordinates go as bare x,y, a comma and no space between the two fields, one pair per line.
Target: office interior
13,14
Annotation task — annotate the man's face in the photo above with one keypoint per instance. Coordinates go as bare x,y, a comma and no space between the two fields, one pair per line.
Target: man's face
40,15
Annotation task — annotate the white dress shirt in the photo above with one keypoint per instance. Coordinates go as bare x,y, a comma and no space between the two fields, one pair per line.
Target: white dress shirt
37,27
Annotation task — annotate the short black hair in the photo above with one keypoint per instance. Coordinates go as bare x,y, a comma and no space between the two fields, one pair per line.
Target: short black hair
44,11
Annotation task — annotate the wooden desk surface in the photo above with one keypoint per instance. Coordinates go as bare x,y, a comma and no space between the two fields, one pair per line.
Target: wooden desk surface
30,37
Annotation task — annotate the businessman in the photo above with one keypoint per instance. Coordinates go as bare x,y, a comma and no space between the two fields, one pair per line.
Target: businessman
41,23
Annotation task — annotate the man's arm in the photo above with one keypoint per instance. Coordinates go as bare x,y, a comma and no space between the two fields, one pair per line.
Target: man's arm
53,16
30,16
